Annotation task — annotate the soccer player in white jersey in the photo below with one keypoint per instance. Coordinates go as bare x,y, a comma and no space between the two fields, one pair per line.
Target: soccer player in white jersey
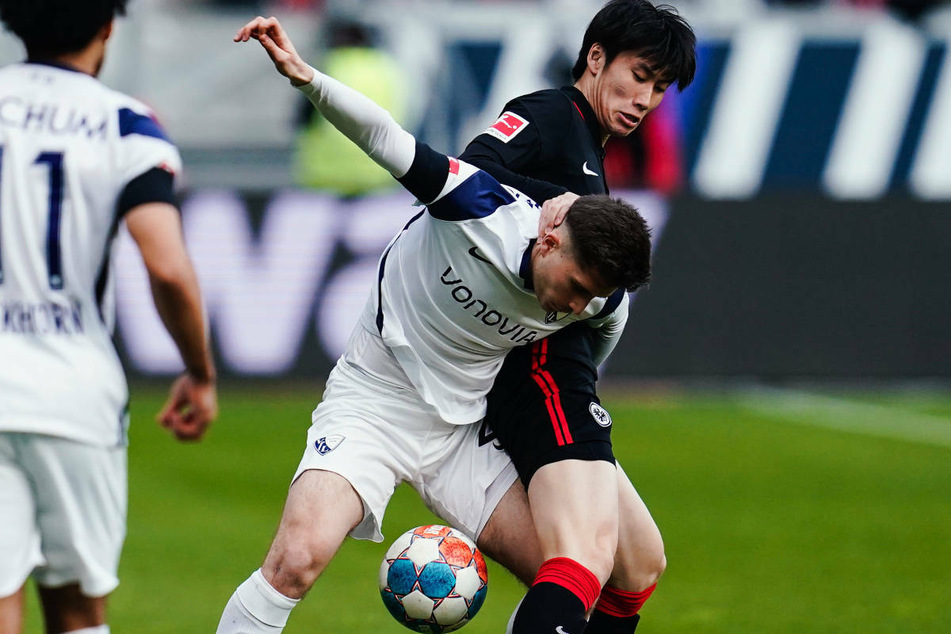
76,159
465,281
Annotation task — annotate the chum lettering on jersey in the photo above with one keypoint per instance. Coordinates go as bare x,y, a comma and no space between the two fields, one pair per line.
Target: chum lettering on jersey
50,118
45,318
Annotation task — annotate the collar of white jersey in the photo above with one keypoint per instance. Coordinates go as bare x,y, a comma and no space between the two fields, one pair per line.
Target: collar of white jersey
525,268
59,65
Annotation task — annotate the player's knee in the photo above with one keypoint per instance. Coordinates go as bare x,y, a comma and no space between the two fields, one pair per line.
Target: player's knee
601,551
638,567
293,570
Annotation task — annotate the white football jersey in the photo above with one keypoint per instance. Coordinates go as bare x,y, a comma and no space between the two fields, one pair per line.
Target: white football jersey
69,146
454,294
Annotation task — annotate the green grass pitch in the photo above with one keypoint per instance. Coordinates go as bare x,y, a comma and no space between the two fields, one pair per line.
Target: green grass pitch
782,511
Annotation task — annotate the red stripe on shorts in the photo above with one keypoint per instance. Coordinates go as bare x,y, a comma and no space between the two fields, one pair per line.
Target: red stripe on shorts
549,388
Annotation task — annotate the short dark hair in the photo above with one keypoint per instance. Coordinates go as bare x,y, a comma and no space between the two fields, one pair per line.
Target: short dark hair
610,238
659,34
50,28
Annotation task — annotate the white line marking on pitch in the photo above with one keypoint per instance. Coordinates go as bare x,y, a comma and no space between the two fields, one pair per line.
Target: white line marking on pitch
870,419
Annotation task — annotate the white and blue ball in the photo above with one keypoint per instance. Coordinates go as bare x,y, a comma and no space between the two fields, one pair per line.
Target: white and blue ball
433,579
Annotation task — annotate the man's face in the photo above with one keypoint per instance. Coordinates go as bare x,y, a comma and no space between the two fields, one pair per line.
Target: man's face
625,91
561,285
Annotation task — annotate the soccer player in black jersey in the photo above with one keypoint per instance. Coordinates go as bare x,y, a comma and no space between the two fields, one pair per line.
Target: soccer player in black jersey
593,528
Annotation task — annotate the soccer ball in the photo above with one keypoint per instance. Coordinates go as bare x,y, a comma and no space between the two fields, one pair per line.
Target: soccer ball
433,579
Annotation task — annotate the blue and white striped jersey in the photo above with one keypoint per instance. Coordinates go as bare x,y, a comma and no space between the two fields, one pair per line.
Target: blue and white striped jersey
71,150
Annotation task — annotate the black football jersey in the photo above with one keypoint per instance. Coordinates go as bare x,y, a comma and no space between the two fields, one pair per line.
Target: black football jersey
549,136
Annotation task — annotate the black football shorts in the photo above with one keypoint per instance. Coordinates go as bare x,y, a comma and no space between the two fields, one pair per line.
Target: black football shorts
543,407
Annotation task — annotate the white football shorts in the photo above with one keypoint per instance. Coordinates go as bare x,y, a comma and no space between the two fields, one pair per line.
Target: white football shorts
63,509
373,429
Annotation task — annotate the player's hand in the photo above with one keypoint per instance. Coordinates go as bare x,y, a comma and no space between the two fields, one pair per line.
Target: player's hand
191,407
271,35
553,212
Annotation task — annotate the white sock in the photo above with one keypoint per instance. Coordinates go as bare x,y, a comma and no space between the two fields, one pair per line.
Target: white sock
256,608
99,629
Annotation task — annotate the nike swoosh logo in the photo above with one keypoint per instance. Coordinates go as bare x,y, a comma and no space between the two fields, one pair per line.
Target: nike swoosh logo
474,252
560,630
584,168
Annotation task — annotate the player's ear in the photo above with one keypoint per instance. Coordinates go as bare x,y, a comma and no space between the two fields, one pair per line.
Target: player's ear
106,31
596,57
550,241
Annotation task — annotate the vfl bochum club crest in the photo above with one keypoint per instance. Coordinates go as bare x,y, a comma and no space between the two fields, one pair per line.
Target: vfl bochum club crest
328,443
599,414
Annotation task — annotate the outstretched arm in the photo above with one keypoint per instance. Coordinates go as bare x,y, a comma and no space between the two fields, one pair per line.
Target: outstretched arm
359,118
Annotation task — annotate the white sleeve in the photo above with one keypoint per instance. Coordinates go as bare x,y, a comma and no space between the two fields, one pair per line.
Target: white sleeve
363,122
609,331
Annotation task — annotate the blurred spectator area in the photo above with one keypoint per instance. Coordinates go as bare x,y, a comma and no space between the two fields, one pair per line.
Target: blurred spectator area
234,117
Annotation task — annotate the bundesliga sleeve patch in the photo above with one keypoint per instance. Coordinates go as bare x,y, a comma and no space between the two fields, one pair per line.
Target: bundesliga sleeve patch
507,127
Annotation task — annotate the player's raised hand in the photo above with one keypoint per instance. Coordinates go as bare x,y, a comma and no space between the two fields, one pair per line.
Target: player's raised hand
553,212
271,35
191,407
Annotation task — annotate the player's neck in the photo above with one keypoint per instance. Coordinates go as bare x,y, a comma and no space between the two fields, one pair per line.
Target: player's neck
587,88
89,60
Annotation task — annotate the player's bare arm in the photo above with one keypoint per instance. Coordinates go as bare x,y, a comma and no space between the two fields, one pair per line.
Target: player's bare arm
271,35
192,404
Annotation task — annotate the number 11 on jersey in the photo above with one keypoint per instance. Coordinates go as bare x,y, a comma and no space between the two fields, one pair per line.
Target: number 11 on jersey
54,260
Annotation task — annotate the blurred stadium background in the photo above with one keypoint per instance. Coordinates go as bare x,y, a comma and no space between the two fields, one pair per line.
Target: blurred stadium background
781,398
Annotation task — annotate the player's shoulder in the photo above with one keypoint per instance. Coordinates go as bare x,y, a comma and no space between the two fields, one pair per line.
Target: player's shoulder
544,112
473,194
543,104
135,119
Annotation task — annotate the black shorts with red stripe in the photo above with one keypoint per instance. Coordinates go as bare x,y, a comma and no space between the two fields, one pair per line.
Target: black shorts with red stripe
544,408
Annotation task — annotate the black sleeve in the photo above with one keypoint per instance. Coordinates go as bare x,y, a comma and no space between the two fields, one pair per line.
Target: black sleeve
509,161
427,176
537,190
153,186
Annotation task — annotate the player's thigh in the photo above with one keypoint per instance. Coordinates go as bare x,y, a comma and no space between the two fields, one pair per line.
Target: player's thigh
81,495
19,533
321,509
509,536
575,507
640,559
463,479
11,613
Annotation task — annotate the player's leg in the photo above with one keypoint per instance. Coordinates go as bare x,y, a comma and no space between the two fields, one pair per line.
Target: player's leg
544,410
509,536
638,565
81,509
574,505
19,534
67,609
321,509
11,613
360,445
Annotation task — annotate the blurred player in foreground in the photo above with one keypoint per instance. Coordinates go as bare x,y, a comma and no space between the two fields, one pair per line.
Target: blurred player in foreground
543,408
76,158
468,279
